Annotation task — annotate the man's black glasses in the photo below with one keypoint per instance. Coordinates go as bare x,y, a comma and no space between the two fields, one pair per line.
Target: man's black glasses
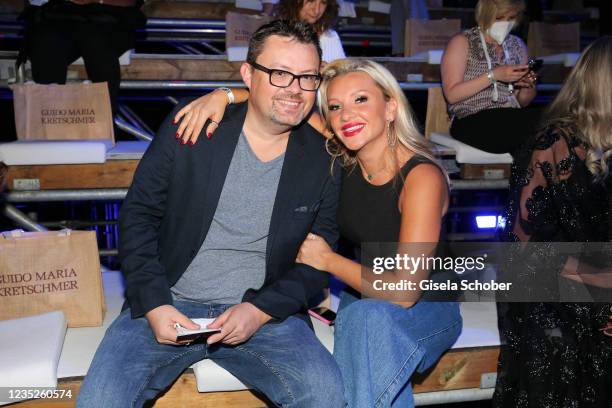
284,79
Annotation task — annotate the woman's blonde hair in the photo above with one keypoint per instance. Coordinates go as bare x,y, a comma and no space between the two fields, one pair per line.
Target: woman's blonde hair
402,130
586,101
486,10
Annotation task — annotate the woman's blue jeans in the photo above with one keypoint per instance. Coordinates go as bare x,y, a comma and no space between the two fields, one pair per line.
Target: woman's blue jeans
379,345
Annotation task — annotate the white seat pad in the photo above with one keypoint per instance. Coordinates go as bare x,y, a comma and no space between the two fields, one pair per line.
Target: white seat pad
52,152
466,154
30,349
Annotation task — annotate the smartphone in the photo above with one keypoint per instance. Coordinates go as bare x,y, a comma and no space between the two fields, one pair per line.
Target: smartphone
183,334
535,64
195,336
323,314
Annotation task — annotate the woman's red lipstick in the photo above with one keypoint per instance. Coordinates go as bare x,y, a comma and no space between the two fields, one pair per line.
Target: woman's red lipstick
351,129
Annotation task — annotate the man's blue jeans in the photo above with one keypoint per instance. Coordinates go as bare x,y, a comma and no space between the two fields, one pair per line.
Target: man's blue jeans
379,345
285,361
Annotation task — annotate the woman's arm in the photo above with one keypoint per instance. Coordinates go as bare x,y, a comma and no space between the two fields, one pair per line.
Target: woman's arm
316,121
526,90
210,106
453,66
423,202
587,274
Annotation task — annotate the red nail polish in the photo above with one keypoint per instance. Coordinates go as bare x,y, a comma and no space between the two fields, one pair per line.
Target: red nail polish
191,143
174,121
209,135
177,136
183,142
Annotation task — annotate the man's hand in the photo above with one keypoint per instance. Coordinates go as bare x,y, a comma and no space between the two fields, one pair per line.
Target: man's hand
238,324
162,320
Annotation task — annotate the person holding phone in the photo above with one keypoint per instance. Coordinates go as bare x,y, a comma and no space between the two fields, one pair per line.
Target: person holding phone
212,232
487,82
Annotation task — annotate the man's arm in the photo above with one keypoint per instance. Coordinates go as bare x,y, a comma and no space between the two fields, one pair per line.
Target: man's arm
139,224
291,293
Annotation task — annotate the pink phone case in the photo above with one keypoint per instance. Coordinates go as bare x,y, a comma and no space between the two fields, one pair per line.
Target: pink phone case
319,317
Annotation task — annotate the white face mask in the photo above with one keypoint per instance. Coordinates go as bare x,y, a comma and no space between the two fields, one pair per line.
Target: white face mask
500,30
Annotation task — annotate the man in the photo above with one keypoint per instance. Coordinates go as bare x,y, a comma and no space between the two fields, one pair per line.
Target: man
213,231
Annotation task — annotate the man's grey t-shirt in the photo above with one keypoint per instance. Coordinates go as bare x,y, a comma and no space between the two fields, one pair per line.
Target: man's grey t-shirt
232,258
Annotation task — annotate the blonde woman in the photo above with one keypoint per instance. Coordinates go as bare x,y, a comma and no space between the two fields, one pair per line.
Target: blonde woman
560,354
487,82
392,191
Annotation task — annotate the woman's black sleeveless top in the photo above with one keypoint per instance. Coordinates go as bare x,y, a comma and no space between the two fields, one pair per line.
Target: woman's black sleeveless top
369,213
370,220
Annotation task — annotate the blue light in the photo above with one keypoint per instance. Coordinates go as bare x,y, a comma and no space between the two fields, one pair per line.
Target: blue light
486,221
501,222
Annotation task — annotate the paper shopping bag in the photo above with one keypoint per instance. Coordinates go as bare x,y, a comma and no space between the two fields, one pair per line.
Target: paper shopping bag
239,28
53,270
552,39
63,112
426,35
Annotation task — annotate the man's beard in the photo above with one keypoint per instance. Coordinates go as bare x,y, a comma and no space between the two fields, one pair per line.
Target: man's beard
284,120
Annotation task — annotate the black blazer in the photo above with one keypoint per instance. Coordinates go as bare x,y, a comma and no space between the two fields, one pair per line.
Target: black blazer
171,203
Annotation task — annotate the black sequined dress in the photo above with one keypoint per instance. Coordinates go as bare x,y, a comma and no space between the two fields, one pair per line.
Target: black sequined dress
553,354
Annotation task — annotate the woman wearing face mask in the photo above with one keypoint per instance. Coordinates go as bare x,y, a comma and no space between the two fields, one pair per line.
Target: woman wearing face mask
486,81
322,14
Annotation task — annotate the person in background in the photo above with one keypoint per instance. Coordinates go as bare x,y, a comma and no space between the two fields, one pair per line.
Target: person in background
322,14
402,10
487,83
559,355
60,31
